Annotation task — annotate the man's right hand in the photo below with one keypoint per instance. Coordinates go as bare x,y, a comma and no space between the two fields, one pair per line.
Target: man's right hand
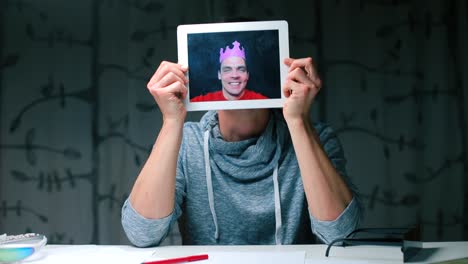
167,86
153,194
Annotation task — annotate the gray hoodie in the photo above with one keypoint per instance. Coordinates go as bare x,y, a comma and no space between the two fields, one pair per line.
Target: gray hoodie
246,192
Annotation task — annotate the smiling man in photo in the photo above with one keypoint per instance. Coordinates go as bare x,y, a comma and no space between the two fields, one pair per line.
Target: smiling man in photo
234,75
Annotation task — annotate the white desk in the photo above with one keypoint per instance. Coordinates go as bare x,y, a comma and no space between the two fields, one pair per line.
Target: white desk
52,254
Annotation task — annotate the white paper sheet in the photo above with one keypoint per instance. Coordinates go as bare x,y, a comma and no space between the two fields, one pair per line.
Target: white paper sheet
88,254
252,257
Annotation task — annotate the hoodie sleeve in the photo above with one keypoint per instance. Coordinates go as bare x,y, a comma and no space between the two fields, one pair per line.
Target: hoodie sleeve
144,232
349,219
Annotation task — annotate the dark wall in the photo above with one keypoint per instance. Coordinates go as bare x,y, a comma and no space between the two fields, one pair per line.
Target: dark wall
77,123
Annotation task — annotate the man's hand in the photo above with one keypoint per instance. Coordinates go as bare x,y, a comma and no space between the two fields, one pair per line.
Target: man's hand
327,192
301,86
153,194
168,89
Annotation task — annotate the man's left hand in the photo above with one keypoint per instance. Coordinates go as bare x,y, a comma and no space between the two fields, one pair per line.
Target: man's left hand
301,86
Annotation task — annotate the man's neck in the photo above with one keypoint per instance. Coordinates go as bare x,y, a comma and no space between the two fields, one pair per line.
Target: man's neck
237,125
231,97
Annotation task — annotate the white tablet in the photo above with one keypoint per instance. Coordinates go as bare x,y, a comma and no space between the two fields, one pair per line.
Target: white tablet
234,65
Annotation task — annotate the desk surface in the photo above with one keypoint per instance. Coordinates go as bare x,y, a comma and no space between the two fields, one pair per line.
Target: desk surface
437,251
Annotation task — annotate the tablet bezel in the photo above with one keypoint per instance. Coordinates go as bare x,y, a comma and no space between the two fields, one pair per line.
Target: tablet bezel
283,38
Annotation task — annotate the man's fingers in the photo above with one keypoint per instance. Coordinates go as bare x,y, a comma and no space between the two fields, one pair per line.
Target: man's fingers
298,82
177,89
305,64
167,80
287,89
291,86
288,61
299,75
168,67
299,63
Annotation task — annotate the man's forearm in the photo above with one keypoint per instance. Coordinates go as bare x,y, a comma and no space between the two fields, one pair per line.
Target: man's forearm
153,193
326,191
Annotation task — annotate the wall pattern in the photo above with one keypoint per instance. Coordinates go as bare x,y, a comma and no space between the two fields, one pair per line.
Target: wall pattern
76,121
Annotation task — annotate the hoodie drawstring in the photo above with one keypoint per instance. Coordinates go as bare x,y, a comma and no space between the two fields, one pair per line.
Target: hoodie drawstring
209,182
277,206
209,185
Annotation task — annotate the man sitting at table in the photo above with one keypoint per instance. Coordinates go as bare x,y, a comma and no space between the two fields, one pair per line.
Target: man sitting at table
253,176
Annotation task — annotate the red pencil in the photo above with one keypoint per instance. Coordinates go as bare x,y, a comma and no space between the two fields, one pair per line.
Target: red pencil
178,260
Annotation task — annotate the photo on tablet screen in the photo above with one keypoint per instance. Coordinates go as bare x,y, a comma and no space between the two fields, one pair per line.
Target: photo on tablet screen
234,65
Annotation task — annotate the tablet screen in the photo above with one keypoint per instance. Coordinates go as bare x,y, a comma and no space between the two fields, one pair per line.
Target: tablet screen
234,65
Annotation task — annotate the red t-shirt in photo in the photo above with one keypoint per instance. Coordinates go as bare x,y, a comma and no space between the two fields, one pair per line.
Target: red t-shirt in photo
218,96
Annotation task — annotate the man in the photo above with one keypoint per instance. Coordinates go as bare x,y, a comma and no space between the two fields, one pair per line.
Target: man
234,75
255,176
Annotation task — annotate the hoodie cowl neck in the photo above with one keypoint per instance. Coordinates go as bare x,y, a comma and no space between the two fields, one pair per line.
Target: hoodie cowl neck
247,160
